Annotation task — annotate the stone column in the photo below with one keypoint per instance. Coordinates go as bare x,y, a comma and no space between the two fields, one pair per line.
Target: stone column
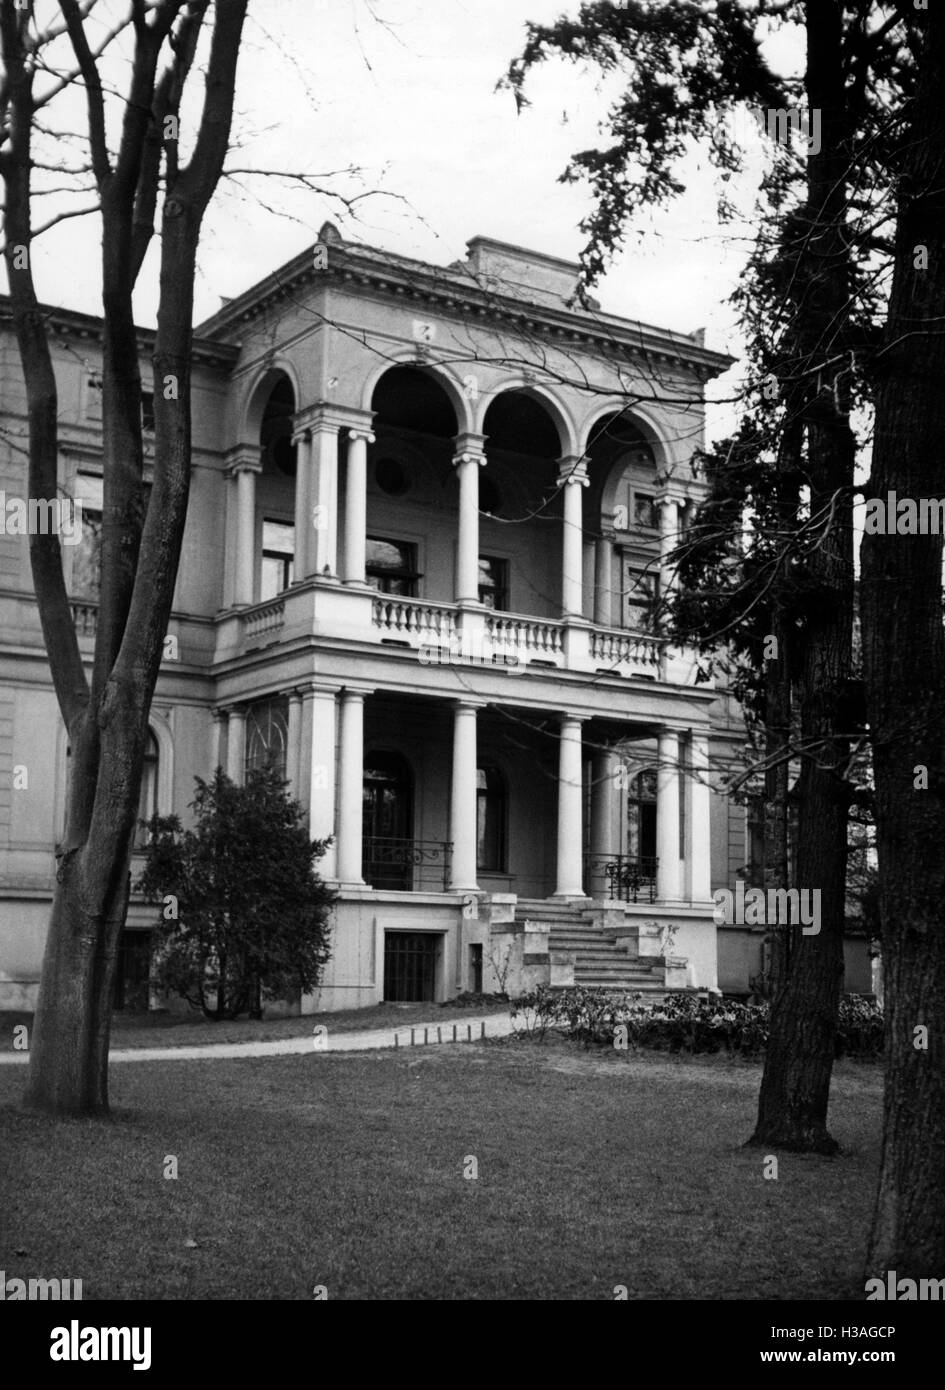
236,743
570,869
467,464
667,817
350,788
603,785
324,499
293,759
317,752
244,586
670,505
572,479
356,506
463,800
302,567
216,739
604,580
700,829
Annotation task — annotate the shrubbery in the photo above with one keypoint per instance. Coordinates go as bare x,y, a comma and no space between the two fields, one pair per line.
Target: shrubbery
244,914
680,1023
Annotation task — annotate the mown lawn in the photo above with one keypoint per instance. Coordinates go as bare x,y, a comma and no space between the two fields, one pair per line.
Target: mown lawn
347,1170
160,1029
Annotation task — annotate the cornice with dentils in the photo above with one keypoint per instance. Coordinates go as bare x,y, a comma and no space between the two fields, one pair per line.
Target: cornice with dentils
73,325
453,290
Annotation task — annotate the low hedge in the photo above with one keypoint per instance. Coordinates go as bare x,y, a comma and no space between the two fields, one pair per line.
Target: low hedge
680,1023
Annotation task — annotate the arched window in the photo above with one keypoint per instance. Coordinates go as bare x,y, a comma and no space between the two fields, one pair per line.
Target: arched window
267,735
148,800
388,796
641,816
491,818
388,851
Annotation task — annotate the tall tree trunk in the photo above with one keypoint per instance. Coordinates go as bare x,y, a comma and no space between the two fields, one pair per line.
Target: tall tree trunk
777,783
904,663
107,720
795,1088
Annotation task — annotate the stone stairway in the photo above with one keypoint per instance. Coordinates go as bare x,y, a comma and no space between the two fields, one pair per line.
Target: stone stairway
601,957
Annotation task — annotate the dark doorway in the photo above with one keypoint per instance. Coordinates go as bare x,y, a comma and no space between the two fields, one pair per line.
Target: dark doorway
131,976
388,848
475,967
641,817
410,966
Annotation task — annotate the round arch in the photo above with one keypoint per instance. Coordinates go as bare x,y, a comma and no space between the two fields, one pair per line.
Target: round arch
443,376
653,434
163,735
250,413
567,433
646,421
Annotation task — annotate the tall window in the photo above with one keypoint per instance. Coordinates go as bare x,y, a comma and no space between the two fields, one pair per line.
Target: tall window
641,816
267,735
491,807
645,512
387,851
639,597
87,555
148,800
278,555
494,583
392,566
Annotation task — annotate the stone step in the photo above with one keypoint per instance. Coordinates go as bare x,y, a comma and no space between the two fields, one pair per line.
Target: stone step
584,972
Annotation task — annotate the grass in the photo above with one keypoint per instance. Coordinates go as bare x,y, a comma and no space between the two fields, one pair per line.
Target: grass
161,1029
347,1170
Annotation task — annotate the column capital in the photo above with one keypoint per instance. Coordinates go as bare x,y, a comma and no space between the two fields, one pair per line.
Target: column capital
577,719
356,692
310,688
572,469
469,443
468,456
670,496
243,459
326,415
361,432
464,704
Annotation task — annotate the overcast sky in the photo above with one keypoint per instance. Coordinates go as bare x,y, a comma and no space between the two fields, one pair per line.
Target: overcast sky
405,90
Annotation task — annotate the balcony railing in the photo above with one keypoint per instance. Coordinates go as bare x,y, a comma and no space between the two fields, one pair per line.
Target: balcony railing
409,617
620,878
263,622
85,618
405,865
615,647
534,636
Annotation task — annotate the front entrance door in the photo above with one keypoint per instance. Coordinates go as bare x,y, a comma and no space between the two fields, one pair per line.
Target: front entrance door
133,969
410,966
388,848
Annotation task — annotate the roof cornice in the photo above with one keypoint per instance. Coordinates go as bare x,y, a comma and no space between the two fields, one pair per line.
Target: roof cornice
454,290
71,324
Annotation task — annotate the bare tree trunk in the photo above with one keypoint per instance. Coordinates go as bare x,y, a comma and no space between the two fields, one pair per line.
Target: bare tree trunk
107,720
904,663
795,1088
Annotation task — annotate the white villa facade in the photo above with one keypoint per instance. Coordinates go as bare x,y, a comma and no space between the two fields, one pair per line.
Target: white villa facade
430,522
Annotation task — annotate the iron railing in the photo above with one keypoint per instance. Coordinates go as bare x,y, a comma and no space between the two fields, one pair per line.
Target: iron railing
621,878
404,864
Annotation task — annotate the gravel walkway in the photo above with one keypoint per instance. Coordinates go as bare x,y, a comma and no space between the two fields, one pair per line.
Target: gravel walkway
495,1025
